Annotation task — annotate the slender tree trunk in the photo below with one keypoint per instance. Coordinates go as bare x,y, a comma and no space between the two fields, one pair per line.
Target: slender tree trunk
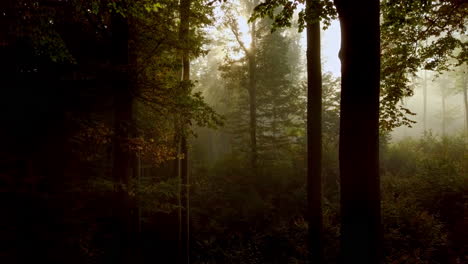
135,211
250,53
179,199
253,100
359,131
425,101
185,203
314,135
465,103
184,243
465,98
138,176
444,121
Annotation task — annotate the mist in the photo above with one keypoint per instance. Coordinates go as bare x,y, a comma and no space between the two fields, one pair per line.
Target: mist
240,131
446,86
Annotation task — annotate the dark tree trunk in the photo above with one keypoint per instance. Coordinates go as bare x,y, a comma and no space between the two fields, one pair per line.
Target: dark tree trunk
465,103
425,101
314,137
184,241
359,131
251,54
465,97
123,159
185,199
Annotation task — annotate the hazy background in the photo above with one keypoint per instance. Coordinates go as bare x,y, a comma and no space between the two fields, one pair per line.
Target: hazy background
223,44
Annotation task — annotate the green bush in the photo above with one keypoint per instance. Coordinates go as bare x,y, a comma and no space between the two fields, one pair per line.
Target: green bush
239,218
422,196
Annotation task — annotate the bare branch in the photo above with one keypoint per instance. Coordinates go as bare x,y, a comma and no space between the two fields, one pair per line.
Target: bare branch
232,23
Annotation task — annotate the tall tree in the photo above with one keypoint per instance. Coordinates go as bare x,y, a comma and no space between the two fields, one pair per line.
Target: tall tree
250,53
359,131
278,111
123,124
315,11
465,95
184,237
425,101
314,132
280,107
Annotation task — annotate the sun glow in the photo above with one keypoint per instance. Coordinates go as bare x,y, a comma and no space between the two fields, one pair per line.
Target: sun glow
244,30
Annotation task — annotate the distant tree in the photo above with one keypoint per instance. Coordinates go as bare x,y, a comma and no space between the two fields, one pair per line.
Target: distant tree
315,11
251,56
444,93
278,99
459,75
278,94
449,83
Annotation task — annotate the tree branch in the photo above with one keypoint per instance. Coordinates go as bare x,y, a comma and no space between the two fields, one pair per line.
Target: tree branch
232,23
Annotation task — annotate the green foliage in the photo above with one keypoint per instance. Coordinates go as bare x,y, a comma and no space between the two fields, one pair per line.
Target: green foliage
323,11
239,218
280,102
242,219
422,198
236,217
416,35
158,196
158,60
331,107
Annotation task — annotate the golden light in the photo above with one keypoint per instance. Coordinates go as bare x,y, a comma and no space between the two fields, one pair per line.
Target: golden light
244,29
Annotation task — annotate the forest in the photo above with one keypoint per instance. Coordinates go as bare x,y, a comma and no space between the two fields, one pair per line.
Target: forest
233,131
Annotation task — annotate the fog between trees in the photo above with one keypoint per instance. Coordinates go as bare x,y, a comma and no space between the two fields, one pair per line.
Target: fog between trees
204,132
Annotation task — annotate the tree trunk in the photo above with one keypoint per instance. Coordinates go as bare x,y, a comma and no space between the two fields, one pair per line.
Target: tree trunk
465,98
253,100
314,136
444,121
425,101
185,231
359,131
465,103
122,167
250,54
184,242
